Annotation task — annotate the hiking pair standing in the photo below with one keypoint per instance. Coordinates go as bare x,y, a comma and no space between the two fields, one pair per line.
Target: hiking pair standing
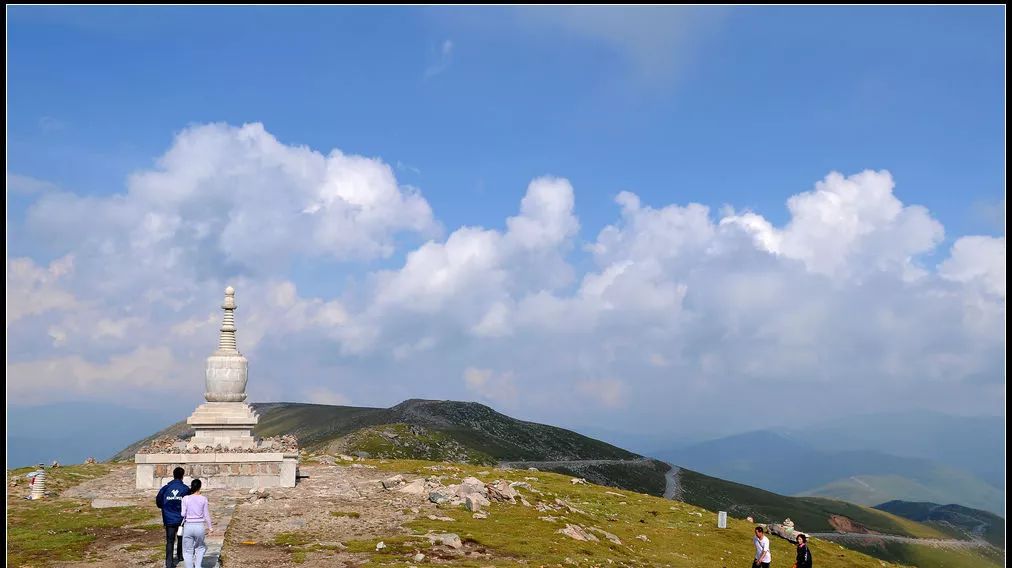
762,551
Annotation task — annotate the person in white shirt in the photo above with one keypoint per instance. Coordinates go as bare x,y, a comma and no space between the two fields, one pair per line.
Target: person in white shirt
762,549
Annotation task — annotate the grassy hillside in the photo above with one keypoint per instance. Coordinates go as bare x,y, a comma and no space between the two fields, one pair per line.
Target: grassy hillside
645,476
474,425
651,531
630,530
962,520
402,441
57,530
810,514
927,556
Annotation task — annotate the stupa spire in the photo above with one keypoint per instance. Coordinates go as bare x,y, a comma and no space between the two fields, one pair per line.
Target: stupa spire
226,341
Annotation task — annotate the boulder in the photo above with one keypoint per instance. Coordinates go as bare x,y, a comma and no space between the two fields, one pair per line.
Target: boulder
501,490
437,497
480,515
416,487
392,482
577,532
475,501
448,539
470,485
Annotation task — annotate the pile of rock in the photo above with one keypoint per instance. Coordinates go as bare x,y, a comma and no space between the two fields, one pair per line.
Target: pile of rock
582,533
286,443
785,530
163,445
474,494
170,445
256,495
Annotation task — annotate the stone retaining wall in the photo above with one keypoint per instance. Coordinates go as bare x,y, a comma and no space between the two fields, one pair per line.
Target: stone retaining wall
224,470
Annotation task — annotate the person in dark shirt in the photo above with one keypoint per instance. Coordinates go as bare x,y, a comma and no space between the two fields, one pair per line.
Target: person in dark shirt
804,559
170,501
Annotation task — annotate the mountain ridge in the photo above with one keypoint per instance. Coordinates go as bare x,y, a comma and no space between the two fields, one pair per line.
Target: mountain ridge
786,464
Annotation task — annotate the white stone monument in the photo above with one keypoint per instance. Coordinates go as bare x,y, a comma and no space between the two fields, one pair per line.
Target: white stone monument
225,419
722,519
223,451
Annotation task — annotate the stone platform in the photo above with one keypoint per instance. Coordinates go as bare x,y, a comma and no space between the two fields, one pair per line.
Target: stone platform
220,470
228,424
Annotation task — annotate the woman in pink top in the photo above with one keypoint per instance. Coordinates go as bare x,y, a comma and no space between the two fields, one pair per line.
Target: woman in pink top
195,515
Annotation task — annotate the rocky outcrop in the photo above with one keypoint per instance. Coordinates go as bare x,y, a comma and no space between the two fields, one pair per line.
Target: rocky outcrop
577,532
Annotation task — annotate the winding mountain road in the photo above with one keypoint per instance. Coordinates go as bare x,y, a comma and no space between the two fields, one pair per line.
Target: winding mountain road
672,487
570,463
859,538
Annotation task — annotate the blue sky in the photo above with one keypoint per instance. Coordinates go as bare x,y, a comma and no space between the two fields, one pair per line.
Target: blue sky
740,107
764,101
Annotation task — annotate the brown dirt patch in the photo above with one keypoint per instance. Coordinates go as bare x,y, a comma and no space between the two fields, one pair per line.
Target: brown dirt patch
847,525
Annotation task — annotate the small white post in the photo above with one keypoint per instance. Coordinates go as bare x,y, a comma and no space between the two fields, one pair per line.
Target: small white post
38,483
722,520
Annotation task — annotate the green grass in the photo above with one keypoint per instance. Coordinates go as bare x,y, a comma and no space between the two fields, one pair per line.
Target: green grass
680,535
957,520
292,539
641,477
349,514
54,529
475,426
410,443
810,514
924,556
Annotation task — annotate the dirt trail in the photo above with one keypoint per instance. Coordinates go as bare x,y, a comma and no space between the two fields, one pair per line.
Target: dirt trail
118,488
335,505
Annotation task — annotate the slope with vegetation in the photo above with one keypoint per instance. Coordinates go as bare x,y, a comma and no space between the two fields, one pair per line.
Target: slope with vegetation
960,520
448,431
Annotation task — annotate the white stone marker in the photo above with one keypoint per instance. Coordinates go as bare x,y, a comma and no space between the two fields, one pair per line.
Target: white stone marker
38,483
722,520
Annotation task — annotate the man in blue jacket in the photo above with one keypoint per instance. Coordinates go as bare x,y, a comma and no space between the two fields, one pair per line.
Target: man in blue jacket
170,501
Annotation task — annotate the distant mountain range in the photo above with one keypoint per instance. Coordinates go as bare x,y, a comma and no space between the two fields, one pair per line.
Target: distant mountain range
785,464
972,443
964,520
